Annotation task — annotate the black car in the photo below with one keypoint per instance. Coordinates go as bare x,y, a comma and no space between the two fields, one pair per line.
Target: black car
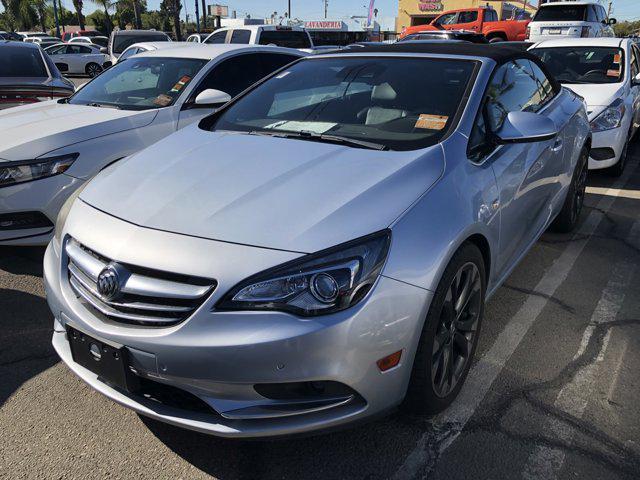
463,35
28,75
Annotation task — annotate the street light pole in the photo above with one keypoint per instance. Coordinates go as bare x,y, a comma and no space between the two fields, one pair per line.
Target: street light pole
289,10
55,17
197,17
326,4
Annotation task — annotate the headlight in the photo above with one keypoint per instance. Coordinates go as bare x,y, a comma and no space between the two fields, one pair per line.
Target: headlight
610,118
64,212
324,282
28,170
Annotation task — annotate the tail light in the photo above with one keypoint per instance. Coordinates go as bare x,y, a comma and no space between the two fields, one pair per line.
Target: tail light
585,31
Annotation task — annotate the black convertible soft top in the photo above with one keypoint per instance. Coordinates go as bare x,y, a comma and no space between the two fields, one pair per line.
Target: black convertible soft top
494,51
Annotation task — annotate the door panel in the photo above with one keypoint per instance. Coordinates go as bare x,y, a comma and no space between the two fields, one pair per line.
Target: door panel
527,174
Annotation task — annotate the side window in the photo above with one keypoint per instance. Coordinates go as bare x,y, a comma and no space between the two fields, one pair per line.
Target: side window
58,50
233,75
447,19
73,49
128,53
592,16
479,146
241,36
218,37
468,17
545,87
633,59
602,13
85,50
513,88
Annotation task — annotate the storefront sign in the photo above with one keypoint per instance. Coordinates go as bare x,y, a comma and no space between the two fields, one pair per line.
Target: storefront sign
430,6
324,25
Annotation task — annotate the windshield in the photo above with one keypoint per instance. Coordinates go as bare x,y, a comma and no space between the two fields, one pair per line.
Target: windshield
122,41
561,13
21,62
363,99
140,83
583,64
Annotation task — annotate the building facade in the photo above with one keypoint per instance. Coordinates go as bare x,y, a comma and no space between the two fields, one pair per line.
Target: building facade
420,12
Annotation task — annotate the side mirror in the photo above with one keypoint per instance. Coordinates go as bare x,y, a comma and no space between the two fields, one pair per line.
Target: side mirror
526,127
212,97
612,21
635,81
104,50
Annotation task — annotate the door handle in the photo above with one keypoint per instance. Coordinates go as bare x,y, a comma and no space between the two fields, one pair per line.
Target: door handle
557,145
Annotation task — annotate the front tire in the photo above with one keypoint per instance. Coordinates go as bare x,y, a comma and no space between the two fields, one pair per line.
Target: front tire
450,334
569,216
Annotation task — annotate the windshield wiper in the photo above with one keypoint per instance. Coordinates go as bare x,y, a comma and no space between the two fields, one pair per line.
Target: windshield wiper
321,137
103,105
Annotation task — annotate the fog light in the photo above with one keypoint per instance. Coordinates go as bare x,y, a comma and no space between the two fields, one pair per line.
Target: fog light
389,361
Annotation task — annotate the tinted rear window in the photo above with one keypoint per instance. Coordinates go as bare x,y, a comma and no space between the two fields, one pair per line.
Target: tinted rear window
121,42
285,38
21,62
561,13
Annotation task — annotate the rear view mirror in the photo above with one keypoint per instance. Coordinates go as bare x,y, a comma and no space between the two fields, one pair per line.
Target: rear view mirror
526,127
212,97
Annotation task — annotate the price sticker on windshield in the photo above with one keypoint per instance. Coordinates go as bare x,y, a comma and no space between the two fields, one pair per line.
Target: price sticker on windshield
431,122
180,83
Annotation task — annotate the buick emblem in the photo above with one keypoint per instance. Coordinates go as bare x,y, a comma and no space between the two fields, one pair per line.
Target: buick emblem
108,283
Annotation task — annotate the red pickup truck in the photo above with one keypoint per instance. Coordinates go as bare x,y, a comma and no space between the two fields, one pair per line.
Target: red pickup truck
483,20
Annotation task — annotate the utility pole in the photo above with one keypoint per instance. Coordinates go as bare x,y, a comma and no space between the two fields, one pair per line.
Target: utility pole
204,15
197,18
289,10
326,5
55,17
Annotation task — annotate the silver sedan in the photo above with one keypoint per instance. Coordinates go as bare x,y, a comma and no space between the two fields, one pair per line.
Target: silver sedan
319,250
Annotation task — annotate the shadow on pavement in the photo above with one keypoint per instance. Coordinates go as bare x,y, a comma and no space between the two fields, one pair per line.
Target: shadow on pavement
25,344
22,260
338,454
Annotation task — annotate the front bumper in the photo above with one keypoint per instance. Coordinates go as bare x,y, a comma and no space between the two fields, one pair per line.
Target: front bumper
44,196
220,356
612,140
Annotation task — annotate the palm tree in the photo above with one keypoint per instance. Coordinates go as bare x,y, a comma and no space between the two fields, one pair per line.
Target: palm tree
106,5
77,4
40,6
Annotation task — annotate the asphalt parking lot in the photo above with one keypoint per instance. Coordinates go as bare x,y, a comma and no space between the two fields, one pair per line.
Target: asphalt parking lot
553,392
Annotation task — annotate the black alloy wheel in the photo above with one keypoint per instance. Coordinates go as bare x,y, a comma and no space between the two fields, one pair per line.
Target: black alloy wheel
456,331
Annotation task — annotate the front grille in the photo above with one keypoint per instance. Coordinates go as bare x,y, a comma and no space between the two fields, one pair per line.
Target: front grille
133,295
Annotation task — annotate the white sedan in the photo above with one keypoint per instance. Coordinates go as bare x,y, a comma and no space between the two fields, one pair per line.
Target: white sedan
78,58
137,48
606,73
48,150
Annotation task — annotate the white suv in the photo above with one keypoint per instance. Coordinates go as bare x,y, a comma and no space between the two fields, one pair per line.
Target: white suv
570,19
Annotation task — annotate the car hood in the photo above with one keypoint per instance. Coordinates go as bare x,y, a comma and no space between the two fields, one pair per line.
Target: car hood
286,194
598,96
30,131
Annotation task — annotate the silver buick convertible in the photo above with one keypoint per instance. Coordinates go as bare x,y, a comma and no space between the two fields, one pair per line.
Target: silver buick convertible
319,250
